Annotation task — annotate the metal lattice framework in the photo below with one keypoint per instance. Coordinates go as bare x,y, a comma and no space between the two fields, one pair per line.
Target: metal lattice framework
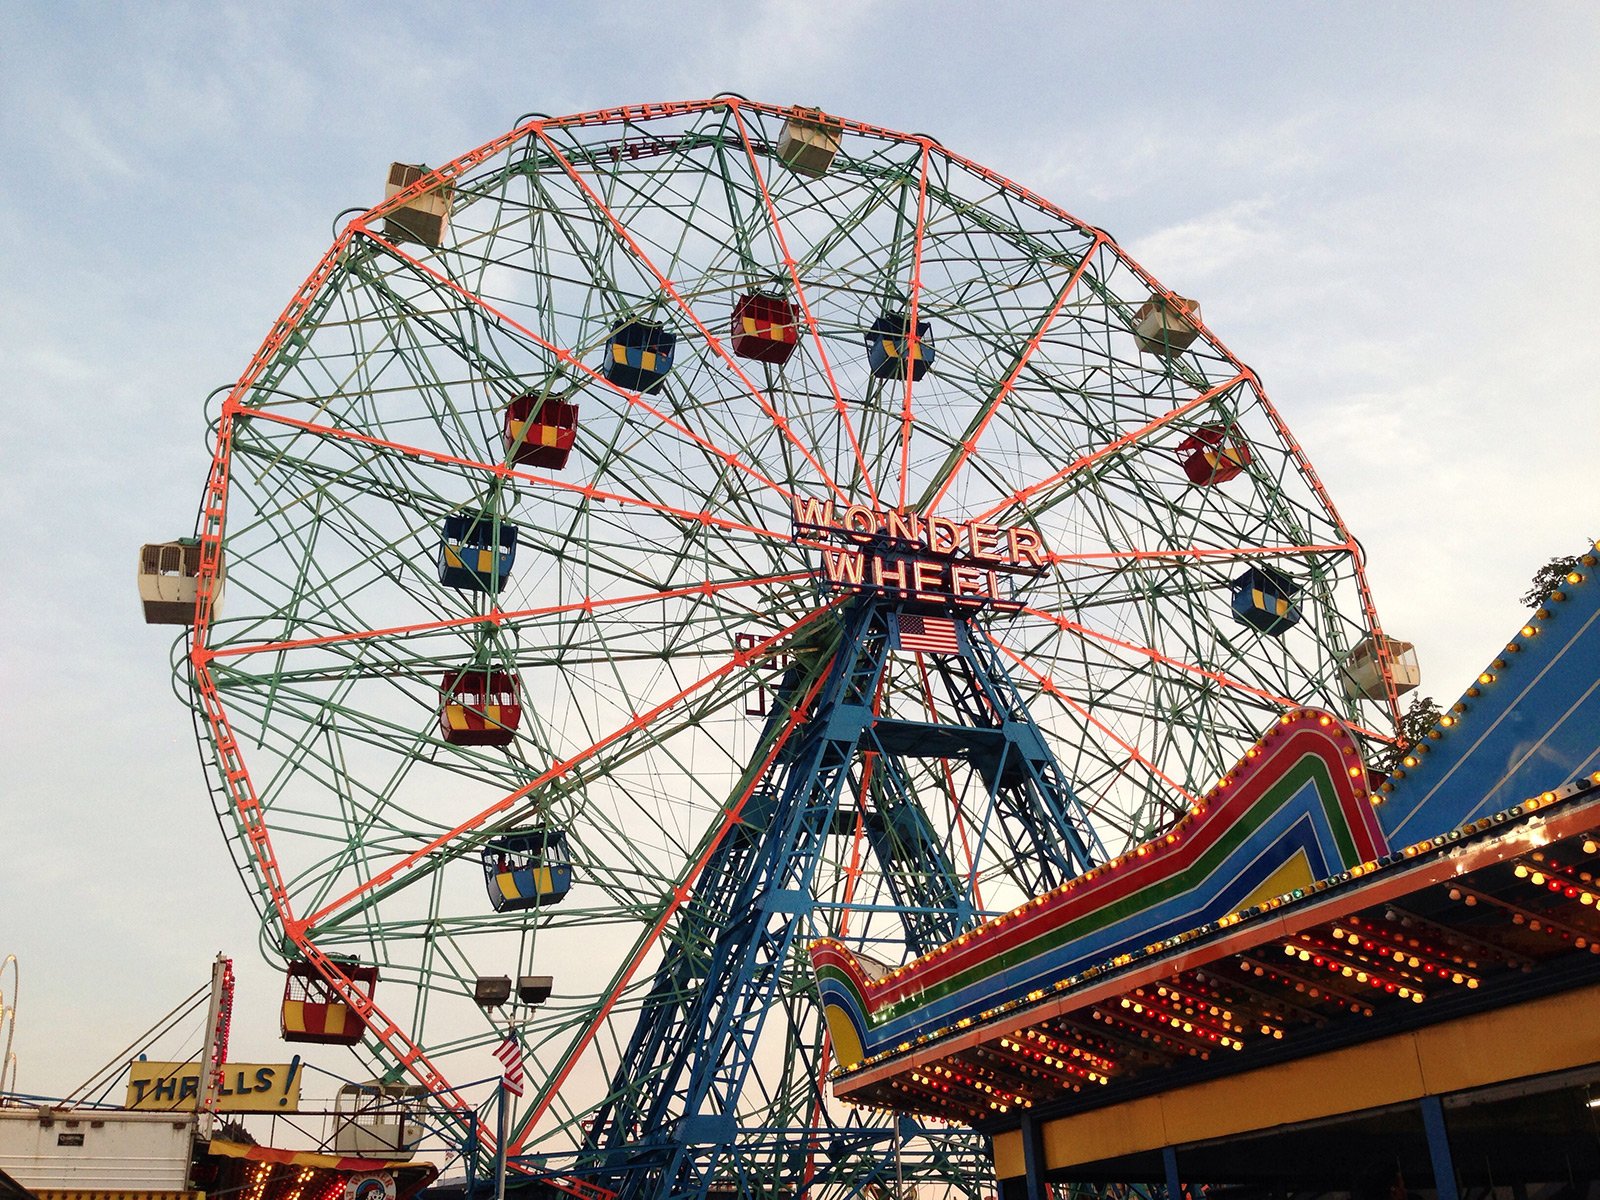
661,591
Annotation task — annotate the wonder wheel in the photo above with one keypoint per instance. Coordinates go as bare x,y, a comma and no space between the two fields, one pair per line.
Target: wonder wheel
665,534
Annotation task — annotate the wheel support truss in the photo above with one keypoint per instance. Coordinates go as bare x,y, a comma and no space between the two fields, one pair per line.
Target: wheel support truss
670,1127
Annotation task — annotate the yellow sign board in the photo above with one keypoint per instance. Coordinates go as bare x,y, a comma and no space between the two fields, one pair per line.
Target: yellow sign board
246,1087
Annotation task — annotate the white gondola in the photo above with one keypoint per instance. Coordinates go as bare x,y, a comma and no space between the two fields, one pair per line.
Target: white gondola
169,577
1165,324
1363,670
379,1120
810,141
423,218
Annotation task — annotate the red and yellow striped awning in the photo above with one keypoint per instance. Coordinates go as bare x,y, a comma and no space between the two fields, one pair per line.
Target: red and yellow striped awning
299,1158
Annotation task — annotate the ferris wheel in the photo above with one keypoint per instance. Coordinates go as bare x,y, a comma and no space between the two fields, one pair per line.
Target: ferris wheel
664,534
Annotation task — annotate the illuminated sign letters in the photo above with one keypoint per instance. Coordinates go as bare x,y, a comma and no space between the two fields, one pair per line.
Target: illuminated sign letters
909,555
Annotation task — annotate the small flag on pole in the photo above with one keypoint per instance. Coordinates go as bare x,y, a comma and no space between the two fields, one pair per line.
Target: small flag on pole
931,635
509,1052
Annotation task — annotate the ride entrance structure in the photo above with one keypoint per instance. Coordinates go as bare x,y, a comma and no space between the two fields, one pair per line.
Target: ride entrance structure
715,526
1304,986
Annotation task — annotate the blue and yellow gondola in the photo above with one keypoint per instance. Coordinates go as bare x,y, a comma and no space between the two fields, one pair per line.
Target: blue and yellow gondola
526,868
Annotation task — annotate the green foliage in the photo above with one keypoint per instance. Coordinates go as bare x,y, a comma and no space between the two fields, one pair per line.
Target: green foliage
1422,715
1547,578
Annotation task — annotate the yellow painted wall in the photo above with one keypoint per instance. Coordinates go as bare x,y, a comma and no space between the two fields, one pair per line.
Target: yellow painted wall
1555,1033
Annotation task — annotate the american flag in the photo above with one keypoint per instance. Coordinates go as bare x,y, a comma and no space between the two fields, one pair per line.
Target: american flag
933,635
510,1055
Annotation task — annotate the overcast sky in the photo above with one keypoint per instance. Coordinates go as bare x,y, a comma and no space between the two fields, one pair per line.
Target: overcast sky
1387,210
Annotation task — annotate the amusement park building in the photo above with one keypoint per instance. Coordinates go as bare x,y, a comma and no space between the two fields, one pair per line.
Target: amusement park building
1304,985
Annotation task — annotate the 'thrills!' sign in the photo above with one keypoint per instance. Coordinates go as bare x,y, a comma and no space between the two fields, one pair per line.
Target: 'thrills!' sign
909,555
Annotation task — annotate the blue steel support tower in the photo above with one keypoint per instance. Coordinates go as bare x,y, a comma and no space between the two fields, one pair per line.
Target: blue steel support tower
669,1128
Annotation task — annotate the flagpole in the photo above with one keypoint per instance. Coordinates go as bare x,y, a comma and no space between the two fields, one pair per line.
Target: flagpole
500,1143
899,1179
509,1052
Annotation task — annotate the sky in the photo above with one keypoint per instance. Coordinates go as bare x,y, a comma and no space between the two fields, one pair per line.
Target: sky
1386,210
